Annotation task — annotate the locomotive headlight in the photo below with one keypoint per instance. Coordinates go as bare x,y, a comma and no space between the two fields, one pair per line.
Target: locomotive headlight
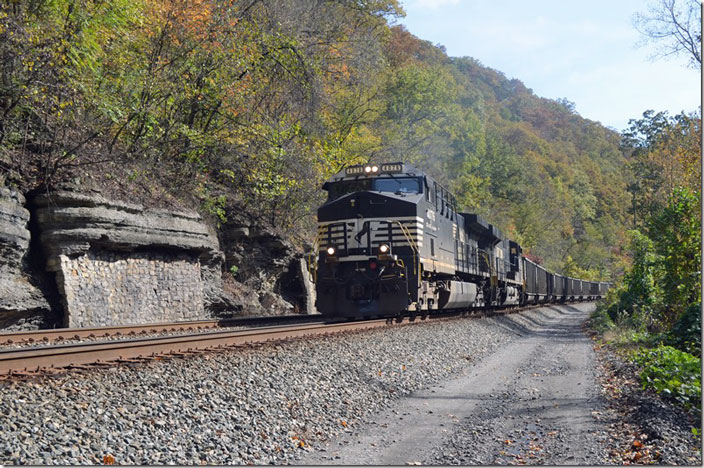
375,169
367,169
384,249
331,250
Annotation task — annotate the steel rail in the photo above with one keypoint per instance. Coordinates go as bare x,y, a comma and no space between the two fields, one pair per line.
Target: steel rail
34,360
54,334
61,356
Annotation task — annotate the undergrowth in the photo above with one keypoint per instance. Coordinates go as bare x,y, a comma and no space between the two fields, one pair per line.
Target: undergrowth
672,373
669,361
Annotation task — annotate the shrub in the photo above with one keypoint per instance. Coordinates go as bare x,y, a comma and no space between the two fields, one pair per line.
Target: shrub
601,320
672,373
686,334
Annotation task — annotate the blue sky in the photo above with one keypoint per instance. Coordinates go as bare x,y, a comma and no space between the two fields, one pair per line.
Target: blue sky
585,51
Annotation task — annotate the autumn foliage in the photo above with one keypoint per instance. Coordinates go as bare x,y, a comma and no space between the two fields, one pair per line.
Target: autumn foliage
247,106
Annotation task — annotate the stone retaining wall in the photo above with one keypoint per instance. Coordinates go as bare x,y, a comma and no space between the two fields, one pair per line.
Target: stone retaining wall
90,261
117,263
111,288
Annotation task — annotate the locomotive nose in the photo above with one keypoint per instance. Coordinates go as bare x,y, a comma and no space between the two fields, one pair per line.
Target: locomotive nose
367,205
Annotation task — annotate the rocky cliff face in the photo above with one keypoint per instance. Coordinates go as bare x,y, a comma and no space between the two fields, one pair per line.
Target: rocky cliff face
97,261
120,263
270,268
22,302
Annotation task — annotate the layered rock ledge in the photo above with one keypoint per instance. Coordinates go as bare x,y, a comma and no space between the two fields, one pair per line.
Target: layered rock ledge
118,263
22,303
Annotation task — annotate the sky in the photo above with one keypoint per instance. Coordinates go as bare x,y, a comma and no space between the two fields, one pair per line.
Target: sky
585,51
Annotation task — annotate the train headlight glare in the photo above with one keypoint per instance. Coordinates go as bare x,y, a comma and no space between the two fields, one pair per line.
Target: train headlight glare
367,169
375,168
383,248
331,250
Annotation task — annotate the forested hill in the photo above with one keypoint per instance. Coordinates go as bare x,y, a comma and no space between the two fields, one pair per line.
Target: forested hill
548,177
247,106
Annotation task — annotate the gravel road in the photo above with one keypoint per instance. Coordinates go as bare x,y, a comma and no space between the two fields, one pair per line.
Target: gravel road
529,402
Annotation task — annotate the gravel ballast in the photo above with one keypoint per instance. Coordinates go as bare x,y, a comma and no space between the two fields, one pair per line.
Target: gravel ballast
274,404
265,405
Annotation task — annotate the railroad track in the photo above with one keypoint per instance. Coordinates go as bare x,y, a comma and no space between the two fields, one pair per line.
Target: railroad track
61,334
37,361
47,360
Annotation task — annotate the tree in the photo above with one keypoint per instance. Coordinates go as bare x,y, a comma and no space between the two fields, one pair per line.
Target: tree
676,234
676,25
664,154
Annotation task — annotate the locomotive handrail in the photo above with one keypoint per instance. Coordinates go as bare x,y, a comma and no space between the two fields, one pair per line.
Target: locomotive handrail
411,242
313,266
414,250
487,260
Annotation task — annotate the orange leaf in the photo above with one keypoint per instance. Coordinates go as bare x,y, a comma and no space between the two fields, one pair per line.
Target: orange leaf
108,459
637,443
344,423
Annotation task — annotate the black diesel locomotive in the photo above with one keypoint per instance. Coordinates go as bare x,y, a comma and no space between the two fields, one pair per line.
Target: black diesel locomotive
391,241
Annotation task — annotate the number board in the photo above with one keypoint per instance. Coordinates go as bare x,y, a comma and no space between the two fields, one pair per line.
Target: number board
392,168
354,170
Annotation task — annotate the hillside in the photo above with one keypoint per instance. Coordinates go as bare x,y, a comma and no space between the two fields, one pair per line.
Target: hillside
242,109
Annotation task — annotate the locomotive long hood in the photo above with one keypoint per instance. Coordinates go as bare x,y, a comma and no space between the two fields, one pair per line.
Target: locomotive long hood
369,205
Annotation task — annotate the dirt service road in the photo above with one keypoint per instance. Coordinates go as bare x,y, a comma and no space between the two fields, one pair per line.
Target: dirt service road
532,401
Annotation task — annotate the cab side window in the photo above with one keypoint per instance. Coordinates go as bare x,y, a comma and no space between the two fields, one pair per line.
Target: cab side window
443,203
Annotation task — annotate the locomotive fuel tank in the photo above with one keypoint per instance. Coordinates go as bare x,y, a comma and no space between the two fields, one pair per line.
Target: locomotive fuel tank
457,294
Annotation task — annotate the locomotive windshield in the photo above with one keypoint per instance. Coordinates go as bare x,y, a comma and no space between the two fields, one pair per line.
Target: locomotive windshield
404,185
339,189
398,184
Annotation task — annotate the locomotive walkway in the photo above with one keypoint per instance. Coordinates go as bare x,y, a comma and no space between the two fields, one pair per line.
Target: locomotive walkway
534,401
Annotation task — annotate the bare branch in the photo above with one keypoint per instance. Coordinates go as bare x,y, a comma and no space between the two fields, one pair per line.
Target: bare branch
675,25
